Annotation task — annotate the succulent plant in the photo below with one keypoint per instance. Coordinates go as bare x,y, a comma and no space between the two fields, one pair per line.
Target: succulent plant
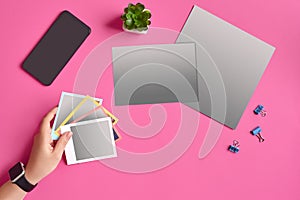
136,17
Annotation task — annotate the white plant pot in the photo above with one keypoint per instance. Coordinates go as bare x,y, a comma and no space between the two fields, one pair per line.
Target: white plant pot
135,30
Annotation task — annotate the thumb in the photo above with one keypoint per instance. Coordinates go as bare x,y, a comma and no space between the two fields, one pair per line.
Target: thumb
62,142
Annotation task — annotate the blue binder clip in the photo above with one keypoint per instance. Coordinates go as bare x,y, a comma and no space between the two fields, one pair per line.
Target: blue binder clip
234,148
257,132
260,110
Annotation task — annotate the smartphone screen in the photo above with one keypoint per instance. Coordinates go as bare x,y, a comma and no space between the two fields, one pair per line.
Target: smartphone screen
56,48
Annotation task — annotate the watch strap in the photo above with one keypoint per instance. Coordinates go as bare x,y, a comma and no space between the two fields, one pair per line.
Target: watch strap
24,184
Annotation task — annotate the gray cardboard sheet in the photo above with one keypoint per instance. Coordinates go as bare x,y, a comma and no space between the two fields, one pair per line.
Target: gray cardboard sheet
154,74
230,63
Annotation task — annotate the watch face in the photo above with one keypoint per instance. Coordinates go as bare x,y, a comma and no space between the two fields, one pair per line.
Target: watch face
16,172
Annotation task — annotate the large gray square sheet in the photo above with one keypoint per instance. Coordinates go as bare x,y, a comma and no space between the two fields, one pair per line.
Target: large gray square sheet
230,63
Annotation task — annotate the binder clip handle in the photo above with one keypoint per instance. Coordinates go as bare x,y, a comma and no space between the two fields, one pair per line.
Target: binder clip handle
263,113
236,143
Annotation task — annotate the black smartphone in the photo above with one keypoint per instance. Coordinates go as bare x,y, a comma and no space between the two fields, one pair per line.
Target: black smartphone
56,48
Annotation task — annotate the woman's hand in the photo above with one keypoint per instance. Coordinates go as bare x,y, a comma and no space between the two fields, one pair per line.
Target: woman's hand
45,156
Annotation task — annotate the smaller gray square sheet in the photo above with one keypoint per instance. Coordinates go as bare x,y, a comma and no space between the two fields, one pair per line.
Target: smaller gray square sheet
152,74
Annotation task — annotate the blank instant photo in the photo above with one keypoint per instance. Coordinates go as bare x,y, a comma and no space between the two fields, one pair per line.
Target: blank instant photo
68,101
91,140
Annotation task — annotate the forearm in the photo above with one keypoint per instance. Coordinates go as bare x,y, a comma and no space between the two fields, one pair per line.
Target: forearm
11,191
44,158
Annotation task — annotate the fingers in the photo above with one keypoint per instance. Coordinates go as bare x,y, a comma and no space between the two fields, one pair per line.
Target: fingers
45,126
61,143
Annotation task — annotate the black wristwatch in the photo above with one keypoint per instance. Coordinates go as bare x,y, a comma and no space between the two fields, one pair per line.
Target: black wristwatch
17,176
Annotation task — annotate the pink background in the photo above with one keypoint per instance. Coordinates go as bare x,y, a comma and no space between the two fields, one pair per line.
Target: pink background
269,170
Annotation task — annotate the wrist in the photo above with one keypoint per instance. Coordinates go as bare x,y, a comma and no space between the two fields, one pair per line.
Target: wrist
18,177
31,178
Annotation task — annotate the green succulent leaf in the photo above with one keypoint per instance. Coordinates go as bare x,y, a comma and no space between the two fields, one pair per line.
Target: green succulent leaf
123,17
144,16
130,27
130,4
129,22
134,17
147,13
128,16
131,8
137,12
137,23
145,23
140,6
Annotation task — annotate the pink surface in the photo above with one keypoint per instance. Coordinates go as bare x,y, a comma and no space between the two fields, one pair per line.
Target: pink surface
269,170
